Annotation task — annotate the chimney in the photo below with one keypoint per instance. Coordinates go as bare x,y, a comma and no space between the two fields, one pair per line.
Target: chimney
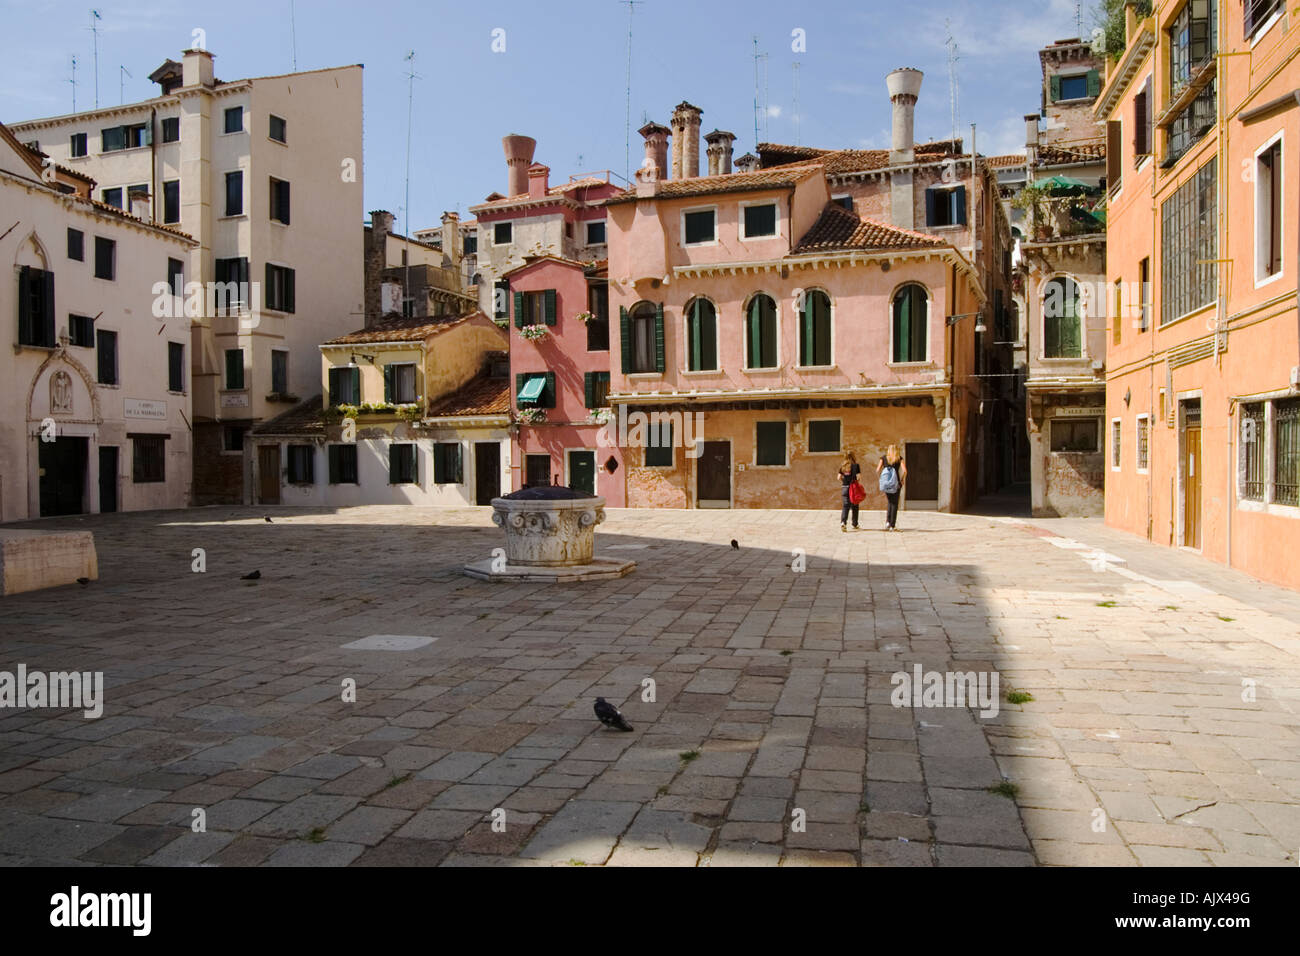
452,245
747,163
686,141
904,87
376,260
1031,138
140,206
656,147
719,151
519,155
196,68
539,180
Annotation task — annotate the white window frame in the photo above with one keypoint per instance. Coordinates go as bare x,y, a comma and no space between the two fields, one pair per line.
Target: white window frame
1143,419
831,299
836,197
416,381
286,367
682,226
1267,25
808,424
1072,76
1051,424
686,338
1116,443
740,220
503,222
586,232
1260,278
243,119
744,333
929,331
785,446
1083,313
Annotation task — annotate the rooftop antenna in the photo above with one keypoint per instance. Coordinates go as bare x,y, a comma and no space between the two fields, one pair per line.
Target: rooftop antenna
627,121
122,74
293,35
795,68
411,77
757,56
94,32
1078,20
951,43
73,81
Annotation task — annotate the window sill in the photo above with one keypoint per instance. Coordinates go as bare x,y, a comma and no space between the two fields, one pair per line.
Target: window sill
234,132
1190,315
946,226
817,368
762,371
103,279
118,152
107,385
910,365
699,371
644,375
277,222
698,245
232,217
278,142
1268,508
1269,280
19,346
1063,358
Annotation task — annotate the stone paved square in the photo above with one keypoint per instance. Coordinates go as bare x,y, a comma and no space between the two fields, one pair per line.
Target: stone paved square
1162,730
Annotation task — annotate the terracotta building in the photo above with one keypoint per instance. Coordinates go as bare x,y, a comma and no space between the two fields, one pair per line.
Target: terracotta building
1203,371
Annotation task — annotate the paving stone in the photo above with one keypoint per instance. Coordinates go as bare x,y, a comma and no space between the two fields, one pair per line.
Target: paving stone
304,853
584,830
302,815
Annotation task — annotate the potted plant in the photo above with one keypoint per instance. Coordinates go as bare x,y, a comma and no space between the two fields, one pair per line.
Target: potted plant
584,317
412,412
534,333
531,416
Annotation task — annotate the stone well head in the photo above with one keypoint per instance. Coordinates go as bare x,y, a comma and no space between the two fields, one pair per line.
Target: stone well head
549,527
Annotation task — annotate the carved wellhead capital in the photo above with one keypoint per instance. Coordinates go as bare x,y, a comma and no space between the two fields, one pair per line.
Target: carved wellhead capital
588,518
499,518
517,521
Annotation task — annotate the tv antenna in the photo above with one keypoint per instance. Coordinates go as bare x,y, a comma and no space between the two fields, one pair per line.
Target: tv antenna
759,57
73,81
411,77
94,33
293,35
123,74
627,120
795,70
951,44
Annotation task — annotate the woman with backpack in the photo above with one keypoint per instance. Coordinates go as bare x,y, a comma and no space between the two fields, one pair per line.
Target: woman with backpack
892,472
851,490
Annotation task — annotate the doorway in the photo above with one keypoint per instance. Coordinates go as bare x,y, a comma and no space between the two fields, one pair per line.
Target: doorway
582,471
713,475
268,474
1191,468
63,476
487,471
107,479
537,471
922,460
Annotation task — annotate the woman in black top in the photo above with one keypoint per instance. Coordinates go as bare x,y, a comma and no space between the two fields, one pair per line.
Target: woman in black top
848,473
892,458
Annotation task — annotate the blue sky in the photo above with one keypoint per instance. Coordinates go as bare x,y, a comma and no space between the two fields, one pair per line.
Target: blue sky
562,76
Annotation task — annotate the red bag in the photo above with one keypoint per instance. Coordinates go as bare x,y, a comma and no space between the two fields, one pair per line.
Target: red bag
857,494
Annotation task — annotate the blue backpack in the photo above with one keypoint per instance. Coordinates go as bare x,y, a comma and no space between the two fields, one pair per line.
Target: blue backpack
889,479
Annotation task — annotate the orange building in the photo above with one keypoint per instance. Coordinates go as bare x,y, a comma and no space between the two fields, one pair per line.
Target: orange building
1203,357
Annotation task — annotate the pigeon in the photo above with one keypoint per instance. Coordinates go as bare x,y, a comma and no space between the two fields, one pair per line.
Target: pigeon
735,545
268,519
250,576
83,581
608,715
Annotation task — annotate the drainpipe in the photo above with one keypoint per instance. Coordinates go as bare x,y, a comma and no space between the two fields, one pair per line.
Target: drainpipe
153,166
1221,308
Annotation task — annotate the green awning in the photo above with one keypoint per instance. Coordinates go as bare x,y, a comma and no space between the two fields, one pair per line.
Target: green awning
1065,186
532,389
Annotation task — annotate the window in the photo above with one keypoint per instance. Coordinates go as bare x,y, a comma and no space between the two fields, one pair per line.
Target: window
1071,87
234,368
1188,241
1117,314
1143,442
596,232
77,144
535,308
136,194
1116,443
235,193
77,245
148,459
112,197
595,387
699,226
824,436
501,298
124,137
471,245
759,221
345,385
642,332
1062,336
171,200
1114,155
598,324
235,119
81,331
175,367
280,201
535,389
911,321
1258,13
502,233
1192,43
302,464
945,206
659,443
701,336
231,289
815,329
278,129
1142,117
845,202
176,276
1251,453
1268,211
35,307
1286,452
769,443
279,371
401,463
171,129
106,357
399,383
760,332
279,288
537,471
447,463
1196,119
1074,435
233,437
105,258
1144,287
343,464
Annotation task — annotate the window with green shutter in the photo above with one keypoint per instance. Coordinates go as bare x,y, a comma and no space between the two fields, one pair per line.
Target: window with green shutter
625,339
36,307
595,387
769,443
402,464
642,334
824,436
701,336
548,300
1061,333
345,385
760,332
659,444
815,329
447,464
519,310
911,318
343,464
234,368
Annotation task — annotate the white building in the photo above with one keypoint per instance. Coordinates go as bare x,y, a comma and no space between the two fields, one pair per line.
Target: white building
266,174
95,390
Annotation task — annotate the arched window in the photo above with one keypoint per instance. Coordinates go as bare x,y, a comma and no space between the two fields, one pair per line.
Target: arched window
701,336
642,337
911,323
760,332
815,329
1062,336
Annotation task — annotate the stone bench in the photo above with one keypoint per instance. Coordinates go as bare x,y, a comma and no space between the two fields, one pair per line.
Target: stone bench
31,560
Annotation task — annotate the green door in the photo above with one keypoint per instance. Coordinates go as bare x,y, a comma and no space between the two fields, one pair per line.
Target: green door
582,471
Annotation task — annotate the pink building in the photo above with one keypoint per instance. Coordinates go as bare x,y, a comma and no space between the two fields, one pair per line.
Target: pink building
559,363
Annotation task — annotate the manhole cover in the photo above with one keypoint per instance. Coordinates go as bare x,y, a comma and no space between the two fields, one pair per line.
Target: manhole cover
389,642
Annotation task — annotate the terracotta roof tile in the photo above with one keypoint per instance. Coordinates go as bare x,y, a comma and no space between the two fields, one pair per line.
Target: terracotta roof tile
303,419
481,395
837,228
783,178
1071,153
777,156
1012,159
397,328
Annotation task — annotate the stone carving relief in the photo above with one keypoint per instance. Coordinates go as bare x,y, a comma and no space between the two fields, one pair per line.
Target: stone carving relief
61,393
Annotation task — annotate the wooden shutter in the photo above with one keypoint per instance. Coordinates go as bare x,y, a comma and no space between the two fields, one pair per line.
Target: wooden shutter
959,206
389,373
284,203
929,207
519,310
548,393
808,333
752,346
550,306
695,361
1141,139
625,336
457,467
902,317
520,378
1054,88
659,337
332,398
1113,147
588,389
26,325
46,318
1094,83
289,275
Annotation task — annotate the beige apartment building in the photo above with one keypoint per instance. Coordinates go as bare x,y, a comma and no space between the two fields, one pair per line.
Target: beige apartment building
266,173
95,392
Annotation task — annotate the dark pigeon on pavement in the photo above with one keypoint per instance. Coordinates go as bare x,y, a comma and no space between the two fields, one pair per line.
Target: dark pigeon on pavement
735,545
268,519
608,715
250,576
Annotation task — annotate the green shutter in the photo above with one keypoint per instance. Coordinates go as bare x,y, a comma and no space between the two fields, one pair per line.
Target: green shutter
1094,83
519,310
751,349
807,356
625,337
519,385
902,324
460,473
588,389
388,384
548,394
1055,89
696,359
550,306
929,207
659,337
959,205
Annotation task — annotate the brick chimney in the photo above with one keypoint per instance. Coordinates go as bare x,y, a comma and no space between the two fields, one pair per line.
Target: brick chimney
376,256
519,155
453,249
656,147
747,163
196,68
539,180
1031,138
686,141
719,151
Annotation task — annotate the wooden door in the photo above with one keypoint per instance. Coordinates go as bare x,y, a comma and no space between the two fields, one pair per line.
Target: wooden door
487,471
922,461
713,475
1192,468
582,471
107,478
268,474
62,464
